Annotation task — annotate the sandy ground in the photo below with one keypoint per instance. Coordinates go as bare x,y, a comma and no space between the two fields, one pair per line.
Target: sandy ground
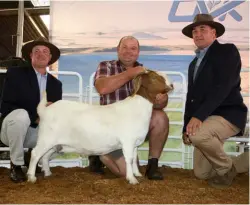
77,185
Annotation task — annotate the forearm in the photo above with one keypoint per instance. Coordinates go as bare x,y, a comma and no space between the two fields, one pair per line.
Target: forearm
109,84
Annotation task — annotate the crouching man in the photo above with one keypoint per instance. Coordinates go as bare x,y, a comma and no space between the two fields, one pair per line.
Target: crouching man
21,95
113,81
214,108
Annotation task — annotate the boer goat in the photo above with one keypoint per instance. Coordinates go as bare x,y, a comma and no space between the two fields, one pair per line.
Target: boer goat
97,130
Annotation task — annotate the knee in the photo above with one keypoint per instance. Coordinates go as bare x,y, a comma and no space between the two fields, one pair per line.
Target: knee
194,139
199,139
159,119
18,117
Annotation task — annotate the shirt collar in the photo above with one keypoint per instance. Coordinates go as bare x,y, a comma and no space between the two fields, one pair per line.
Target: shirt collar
200,52
119,63
37,73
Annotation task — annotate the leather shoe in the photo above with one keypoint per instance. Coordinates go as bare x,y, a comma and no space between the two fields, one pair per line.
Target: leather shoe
16,173
152,171
96,165
223,181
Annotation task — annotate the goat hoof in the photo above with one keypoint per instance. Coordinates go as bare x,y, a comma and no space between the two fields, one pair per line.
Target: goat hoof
47,174
31,179
138,174
133,181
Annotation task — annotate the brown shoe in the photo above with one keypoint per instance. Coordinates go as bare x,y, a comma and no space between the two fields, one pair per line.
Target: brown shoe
224,181
16,173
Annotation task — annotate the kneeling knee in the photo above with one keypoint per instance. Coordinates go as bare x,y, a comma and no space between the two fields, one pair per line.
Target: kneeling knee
19,117
198,139
159,118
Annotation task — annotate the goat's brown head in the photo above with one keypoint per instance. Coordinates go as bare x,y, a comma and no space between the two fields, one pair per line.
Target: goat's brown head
151,83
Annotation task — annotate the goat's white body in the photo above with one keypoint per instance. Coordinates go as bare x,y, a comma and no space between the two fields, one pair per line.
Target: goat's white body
92,130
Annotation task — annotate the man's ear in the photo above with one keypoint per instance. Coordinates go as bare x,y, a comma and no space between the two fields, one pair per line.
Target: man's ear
214,32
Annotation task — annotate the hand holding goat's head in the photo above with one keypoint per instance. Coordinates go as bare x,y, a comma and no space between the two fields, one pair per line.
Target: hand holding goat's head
151,83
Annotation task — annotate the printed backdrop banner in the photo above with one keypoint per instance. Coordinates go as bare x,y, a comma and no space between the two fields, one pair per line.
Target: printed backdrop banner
88,32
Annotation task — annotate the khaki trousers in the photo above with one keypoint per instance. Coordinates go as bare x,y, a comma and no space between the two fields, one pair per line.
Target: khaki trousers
209,155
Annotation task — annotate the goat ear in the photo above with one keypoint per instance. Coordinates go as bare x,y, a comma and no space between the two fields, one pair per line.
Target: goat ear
137,84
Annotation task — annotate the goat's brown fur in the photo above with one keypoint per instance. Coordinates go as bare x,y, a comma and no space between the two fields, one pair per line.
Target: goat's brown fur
149,84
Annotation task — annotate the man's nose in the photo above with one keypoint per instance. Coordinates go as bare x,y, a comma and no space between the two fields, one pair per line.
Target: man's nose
198,33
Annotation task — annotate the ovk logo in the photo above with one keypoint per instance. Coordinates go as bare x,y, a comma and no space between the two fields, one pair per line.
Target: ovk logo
227,8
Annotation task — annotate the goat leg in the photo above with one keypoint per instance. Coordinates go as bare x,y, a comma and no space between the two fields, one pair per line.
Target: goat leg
128,150
135,165
32,167
45,162
36,154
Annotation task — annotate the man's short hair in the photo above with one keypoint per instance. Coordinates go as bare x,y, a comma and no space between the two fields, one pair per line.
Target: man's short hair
128,37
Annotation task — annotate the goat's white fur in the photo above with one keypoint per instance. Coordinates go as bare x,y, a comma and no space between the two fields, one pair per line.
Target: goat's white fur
92,130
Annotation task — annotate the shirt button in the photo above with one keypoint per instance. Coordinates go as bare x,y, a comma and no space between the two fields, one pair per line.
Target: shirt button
192,100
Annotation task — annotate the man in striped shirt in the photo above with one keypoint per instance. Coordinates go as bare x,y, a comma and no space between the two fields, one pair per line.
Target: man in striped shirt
113,81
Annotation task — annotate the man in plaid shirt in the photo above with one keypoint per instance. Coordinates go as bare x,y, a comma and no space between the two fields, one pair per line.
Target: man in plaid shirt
113,81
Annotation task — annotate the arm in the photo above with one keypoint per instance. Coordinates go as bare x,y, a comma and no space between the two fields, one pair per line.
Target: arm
9,96
59,92
106,83
53,89
186,140
57,95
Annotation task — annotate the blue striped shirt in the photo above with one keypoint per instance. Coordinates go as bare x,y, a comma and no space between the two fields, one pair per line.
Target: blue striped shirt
42,82
200,53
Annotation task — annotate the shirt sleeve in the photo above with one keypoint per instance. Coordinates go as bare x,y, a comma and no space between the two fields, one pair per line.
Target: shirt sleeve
103,70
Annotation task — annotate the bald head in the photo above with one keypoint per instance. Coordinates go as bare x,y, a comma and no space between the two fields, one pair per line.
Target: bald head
128,37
